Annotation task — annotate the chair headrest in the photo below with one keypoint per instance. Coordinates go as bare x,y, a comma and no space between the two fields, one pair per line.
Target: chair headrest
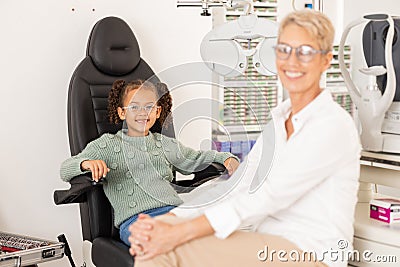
113,47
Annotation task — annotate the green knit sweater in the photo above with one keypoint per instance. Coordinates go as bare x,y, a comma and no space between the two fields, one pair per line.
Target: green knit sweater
141,169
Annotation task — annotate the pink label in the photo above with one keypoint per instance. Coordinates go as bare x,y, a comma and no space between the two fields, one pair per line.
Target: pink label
379,213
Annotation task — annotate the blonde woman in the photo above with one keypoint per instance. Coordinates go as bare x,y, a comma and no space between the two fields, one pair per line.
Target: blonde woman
303,212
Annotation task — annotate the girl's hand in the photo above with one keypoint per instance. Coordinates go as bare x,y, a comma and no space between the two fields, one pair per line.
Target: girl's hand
98,168
231,164
150,237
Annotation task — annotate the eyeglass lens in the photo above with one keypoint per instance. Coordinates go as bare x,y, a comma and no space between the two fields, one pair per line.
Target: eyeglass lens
304,53
137,108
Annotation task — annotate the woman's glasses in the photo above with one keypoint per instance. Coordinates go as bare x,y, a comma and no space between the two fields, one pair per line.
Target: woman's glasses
136,108
304,53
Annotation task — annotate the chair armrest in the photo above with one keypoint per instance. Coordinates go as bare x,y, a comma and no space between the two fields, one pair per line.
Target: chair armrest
212,171
79,185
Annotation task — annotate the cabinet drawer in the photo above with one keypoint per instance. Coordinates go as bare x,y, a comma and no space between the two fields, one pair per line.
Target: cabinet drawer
373,254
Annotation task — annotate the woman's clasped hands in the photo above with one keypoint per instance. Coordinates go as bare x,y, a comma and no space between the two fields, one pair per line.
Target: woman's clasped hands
151,237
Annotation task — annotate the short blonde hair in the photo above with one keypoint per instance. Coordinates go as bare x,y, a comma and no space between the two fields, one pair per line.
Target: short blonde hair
315,23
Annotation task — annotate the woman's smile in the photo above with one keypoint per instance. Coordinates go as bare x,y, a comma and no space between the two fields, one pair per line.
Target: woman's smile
293,74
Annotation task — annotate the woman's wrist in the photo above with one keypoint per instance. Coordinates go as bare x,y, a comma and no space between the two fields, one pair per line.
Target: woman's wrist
185,233
193,229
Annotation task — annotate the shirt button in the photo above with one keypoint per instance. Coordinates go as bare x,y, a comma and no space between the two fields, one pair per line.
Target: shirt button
130,155
114,165
155,153
128,174
102,145
141,166
158,144
119,187
132,204
117,149
159,137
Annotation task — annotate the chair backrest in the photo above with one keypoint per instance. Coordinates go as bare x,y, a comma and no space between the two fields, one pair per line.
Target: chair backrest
112,53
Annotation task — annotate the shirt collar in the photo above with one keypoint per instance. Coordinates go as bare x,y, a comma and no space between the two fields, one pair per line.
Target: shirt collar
307,112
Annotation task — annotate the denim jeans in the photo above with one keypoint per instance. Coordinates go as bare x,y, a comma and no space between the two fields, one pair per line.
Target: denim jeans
124,227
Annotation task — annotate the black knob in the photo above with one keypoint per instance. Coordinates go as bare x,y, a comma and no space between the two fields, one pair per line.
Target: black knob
205,12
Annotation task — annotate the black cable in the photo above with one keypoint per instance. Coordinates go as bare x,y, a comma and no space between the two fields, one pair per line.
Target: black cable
67,250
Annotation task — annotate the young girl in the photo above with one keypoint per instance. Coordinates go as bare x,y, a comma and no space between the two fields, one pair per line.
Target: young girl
135,164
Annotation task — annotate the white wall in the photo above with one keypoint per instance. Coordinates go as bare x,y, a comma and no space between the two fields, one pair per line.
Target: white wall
332,8
41,43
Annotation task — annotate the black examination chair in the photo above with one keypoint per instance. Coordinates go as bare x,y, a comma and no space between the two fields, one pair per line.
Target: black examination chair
112,53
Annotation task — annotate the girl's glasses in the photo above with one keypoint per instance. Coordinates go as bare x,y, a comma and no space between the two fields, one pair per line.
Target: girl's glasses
304,53
137,108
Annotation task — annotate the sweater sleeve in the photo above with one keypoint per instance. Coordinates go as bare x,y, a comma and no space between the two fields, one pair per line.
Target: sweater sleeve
188,160
71,167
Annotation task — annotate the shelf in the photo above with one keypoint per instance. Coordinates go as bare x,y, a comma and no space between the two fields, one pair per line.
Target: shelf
264,4
372,235
390,159
337,89
336,61
374,230
246,128
258,13
235,136
234,84
380,168
267,9
375,241
334,70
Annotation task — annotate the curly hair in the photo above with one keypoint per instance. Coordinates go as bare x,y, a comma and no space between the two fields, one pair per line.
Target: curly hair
165,102
120,90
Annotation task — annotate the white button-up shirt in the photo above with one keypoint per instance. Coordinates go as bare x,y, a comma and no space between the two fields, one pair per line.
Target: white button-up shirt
308,195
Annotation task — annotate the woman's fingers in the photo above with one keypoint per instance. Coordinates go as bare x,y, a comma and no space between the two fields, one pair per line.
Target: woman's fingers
144,256
143,216
150,237
132,251
144,222
137,247
140,232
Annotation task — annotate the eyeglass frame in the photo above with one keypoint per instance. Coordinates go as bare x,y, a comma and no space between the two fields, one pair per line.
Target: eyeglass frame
129,108
297,51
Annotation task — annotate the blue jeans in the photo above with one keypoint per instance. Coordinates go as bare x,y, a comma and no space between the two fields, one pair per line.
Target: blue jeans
124,227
